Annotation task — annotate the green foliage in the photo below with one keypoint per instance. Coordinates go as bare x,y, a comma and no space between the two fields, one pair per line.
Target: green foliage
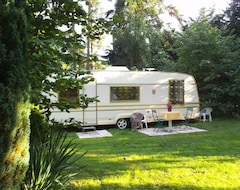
39,125
211,57
56,49
161,50
72,125
231,18
51,162
14,95
49,45
139,41
61,82
52,156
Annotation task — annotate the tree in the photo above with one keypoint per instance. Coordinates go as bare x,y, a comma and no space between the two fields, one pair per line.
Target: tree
229,20
232,17
53,41
56,46
211,57
53,46
162,53
14,95
137,34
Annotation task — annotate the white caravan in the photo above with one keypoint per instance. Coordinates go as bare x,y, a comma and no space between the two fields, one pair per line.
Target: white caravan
123,92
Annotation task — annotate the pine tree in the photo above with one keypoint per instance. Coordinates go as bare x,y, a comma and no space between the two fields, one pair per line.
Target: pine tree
14,95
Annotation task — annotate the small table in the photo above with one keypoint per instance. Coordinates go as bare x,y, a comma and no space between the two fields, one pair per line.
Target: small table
170,116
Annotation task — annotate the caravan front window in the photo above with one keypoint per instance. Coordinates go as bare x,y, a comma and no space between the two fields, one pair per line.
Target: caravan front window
176,91
124,93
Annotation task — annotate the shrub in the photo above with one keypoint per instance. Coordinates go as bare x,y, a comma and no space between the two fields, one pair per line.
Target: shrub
51,162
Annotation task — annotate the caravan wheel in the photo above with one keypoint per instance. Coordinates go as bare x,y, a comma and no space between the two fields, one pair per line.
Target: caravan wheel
122,123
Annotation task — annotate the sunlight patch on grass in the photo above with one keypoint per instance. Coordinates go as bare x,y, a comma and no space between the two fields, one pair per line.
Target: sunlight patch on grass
191,161
203,172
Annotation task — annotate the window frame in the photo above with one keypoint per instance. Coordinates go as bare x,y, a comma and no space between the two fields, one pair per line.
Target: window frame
120,93
176,91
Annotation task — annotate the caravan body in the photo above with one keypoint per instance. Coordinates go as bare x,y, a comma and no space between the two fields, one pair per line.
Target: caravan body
121,93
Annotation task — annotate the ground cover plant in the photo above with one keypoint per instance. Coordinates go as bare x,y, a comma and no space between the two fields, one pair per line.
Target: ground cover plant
131,160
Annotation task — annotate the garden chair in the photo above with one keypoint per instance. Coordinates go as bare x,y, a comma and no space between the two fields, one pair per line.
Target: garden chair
144,120
187,117
159,121
205,114
136,121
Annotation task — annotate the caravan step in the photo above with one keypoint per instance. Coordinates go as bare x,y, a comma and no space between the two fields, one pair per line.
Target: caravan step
89,128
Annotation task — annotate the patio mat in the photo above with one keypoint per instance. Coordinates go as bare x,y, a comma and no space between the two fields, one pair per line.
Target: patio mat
94,134
175,130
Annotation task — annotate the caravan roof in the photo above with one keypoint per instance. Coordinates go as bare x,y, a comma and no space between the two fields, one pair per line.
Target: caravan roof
139,77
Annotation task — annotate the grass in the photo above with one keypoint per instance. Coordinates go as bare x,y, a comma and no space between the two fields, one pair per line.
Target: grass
131,160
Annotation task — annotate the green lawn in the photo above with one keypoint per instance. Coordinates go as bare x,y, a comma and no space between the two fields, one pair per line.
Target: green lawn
131,160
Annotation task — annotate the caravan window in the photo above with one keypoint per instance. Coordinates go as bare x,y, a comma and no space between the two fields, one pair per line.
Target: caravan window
124,93
69,95
176,91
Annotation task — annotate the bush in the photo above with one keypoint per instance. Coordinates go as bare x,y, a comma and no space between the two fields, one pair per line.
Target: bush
52,158
39,126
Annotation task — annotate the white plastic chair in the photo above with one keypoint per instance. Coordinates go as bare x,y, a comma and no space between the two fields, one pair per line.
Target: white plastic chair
144,120
205,114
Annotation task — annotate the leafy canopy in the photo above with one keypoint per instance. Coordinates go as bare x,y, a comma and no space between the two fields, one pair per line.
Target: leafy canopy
56,47
212,58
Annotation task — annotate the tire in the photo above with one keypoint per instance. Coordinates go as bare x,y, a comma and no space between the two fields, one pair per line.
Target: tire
122,123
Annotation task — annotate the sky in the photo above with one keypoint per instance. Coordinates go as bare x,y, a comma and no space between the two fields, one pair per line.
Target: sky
191,8
186,8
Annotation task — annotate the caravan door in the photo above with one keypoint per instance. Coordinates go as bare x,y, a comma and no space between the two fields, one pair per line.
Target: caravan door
89,115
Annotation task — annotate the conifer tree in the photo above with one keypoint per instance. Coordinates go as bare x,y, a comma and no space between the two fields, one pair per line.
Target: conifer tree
14,95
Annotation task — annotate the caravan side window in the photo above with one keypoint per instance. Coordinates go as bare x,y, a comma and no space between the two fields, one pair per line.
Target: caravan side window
176,91
124,93
69,95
